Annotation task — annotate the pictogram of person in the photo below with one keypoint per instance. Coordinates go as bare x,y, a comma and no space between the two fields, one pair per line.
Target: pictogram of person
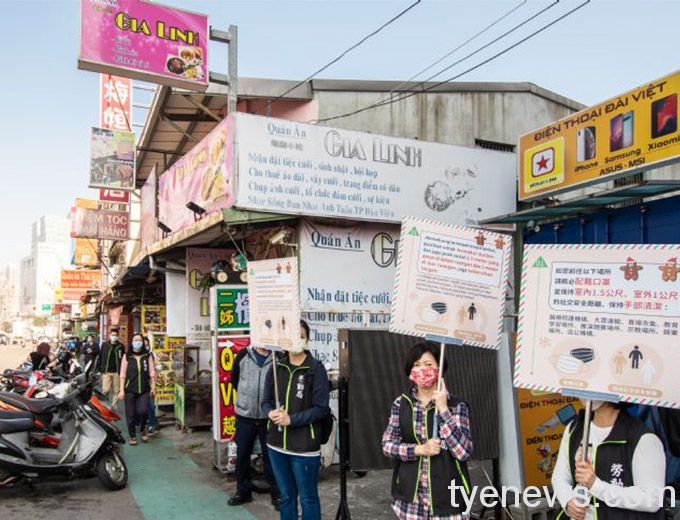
472,310
648,372
461,315
636,356
631,269
619,363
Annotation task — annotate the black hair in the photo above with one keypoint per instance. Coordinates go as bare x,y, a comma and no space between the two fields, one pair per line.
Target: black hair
303,325
417,352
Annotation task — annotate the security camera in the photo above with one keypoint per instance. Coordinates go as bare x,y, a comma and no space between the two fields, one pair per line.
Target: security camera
279,237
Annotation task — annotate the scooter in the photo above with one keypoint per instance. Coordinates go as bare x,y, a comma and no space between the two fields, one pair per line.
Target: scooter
87,446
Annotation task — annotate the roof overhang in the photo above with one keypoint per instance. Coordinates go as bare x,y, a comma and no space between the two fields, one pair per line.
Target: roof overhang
590,203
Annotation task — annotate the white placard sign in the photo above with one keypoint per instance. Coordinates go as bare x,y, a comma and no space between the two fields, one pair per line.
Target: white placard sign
296,168
274,290
601,318
451,282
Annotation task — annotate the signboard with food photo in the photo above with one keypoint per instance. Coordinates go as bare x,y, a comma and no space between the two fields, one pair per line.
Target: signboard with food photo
163,349
112,159
146,41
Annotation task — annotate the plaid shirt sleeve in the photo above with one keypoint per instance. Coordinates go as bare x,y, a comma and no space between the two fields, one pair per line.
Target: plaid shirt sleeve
391,439
455,431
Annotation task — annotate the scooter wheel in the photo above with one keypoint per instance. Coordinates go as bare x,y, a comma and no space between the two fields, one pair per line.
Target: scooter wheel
112,471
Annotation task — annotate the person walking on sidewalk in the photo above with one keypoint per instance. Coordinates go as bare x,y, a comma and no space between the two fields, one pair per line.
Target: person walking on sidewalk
137,384
152,398
248,377
111,355
427,462
90,350
293,434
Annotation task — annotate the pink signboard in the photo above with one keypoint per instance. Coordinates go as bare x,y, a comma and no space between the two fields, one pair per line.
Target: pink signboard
203,176
149,233
145,41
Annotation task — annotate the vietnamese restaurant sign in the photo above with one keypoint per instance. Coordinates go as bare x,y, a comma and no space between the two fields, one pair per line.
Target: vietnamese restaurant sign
145,41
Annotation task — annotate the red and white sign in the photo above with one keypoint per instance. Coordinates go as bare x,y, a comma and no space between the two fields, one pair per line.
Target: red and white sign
104,225
115,96
119,196
224,414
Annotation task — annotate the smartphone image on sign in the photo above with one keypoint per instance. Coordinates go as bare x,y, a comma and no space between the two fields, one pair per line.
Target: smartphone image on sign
628,129
585,144
566,414
616,133
665,116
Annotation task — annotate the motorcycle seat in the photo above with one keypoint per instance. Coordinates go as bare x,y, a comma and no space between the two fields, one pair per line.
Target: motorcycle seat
38,406
16,421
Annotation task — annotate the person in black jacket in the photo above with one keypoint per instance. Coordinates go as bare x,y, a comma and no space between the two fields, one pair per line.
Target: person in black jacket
137,385
248,377
90,350
110,358
293,434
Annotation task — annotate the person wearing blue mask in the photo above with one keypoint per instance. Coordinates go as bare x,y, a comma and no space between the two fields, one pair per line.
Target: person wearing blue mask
110,358
137,384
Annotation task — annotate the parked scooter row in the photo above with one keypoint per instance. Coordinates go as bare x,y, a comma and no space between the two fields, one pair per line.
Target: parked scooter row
68,432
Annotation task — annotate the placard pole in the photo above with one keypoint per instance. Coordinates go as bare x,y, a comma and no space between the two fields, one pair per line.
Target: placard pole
443,341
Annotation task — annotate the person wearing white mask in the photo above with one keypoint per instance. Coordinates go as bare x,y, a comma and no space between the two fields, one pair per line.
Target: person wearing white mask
137,383
623,477
293,435
110,358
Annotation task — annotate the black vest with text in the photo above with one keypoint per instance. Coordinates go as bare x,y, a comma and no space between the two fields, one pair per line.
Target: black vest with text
613,463
137,379
443,469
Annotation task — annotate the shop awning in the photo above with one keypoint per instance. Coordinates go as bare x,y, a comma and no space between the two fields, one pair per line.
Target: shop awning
210,231
590,203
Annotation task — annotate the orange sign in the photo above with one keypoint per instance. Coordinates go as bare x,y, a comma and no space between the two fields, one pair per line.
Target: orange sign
627,134
86,251
81,279
115,94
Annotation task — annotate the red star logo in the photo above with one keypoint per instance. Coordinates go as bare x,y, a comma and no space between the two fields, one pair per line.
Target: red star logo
542,163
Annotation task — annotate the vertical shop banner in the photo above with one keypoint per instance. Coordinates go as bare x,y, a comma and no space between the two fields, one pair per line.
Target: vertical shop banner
224,393
296,168
153,318
231,308
112,159
203,176
115,102
451,281
274,290
165,374
149,228
542,421
144,40
601,318
633,132
362,259
198,262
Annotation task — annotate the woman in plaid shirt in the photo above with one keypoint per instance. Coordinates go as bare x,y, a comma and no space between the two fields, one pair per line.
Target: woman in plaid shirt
426,464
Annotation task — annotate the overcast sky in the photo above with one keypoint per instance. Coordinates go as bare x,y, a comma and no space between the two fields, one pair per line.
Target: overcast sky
47,106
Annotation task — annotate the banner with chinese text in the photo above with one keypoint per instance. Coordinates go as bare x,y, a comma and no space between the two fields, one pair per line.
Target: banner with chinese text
115,102
601,318
451,281
232,310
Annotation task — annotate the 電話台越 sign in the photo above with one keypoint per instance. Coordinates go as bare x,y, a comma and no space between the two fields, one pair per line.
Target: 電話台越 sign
231,307
635,131
224,393
146,41
600,318
296,168
112,159
274,295
451,281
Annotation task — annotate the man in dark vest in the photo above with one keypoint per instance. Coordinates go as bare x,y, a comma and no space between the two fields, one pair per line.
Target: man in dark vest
110,358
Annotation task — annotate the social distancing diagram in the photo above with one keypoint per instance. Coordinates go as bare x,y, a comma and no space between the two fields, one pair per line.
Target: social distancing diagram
600,318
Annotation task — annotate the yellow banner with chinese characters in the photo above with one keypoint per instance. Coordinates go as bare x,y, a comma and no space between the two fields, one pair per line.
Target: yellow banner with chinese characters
627,134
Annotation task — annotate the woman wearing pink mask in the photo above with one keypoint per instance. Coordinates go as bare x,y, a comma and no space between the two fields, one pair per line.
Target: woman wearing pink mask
426,461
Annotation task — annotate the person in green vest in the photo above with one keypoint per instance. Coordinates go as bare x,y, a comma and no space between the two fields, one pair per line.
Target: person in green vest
137,385
110,358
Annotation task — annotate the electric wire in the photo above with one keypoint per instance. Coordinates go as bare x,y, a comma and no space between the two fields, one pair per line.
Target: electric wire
343,54
411,92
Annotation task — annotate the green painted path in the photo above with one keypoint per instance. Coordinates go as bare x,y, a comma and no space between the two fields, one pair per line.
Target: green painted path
167,484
